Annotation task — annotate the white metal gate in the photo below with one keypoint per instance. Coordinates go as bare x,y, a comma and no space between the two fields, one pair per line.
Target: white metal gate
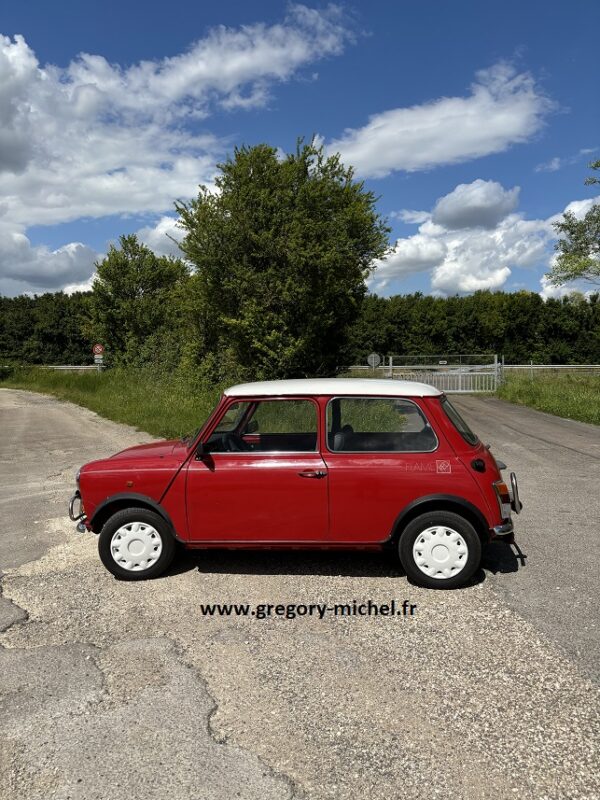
481,372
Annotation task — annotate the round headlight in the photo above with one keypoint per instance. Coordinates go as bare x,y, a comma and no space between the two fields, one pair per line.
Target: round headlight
77,477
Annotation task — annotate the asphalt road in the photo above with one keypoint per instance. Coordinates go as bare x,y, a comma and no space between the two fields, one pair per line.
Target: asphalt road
111,689
558,465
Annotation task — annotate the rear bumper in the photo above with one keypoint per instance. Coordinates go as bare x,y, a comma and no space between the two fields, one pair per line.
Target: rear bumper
515,500
506,529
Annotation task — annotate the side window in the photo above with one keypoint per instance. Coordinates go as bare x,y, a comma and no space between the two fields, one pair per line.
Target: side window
377,425
283,426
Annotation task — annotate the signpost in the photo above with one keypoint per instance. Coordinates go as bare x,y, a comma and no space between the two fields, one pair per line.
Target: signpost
98,351
374,360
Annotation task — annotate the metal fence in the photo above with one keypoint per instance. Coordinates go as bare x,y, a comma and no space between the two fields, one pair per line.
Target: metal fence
76,368
558,369
463,373
453,374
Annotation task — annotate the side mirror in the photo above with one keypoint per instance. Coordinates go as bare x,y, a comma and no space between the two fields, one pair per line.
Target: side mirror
252,426
201,450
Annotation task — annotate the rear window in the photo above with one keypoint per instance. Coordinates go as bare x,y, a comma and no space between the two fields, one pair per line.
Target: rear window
458,422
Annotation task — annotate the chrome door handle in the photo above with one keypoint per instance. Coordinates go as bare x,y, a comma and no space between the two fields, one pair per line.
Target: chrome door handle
312,473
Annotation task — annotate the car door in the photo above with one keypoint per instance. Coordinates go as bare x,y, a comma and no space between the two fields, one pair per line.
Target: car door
381,454
261,479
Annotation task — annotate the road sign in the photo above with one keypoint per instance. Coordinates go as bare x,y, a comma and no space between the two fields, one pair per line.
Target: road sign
98,349
98,359
374,360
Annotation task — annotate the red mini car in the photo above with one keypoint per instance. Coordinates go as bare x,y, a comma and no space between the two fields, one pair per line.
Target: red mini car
330,463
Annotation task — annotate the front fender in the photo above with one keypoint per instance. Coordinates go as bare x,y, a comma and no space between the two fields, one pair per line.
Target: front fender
116,502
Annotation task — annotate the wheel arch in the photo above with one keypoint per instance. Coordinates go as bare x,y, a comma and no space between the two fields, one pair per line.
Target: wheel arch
119,502
441,502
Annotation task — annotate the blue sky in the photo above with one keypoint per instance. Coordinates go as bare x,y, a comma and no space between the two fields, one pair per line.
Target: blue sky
473,122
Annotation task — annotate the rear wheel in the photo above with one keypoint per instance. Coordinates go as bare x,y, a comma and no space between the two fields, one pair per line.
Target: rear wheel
135,544
440,550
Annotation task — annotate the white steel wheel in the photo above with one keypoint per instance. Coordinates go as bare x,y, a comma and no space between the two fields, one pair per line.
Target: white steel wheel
440,552
136,543
136,546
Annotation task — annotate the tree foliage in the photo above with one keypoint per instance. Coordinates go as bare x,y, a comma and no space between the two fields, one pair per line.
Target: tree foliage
46,329
55,329
134,308
281,252
519,325
579,248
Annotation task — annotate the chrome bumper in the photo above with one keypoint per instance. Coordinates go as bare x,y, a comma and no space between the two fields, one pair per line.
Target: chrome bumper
505,529
515,500
75,499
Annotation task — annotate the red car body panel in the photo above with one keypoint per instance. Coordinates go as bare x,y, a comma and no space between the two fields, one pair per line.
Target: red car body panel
262,499
146,470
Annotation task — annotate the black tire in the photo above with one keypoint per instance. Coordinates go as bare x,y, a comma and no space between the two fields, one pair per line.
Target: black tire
452,522
151,519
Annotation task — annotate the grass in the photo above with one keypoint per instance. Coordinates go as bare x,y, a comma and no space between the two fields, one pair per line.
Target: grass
171,406
566,395
164,406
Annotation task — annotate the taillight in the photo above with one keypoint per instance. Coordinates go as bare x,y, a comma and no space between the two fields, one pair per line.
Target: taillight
503,495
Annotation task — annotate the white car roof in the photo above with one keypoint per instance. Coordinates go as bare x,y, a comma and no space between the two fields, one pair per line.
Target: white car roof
334,386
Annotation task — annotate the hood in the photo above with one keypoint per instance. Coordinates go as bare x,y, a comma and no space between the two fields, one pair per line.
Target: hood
171,447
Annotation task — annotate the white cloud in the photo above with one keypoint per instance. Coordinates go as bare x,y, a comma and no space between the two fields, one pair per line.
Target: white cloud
464,258
478,204
550,166
418,253
558,292
411,216
579,208
96,139
502,109
556,163
38,268
159,237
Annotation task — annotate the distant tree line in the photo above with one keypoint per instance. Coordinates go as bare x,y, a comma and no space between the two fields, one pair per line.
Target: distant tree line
51,328
272,284
519,325
157,331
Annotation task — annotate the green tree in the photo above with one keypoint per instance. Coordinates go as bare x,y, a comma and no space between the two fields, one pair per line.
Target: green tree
281,251
579,249
135,303
592,179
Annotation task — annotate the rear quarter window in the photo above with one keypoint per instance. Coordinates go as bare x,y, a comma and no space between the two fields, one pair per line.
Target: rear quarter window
459,423
377,425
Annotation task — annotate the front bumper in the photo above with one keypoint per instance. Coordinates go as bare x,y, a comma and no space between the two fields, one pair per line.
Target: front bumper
76,500
79,516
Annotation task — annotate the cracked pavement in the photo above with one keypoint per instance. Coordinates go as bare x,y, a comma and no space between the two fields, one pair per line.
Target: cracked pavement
123,690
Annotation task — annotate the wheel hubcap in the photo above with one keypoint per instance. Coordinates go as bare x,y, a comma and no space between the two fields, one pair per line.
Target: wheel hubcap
136,546
440,552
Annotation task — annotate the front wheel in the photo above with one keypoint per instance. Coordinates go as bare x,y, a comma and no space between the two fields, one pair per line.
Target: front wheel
440,550
135,544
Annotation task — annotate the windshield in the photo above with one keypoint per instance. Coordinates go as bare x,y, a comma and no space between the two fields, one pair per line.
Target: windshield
458,422
188,438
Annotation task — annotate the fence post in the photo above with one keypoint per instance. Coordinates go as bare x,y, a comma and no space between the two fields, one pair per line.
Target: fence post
495,372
